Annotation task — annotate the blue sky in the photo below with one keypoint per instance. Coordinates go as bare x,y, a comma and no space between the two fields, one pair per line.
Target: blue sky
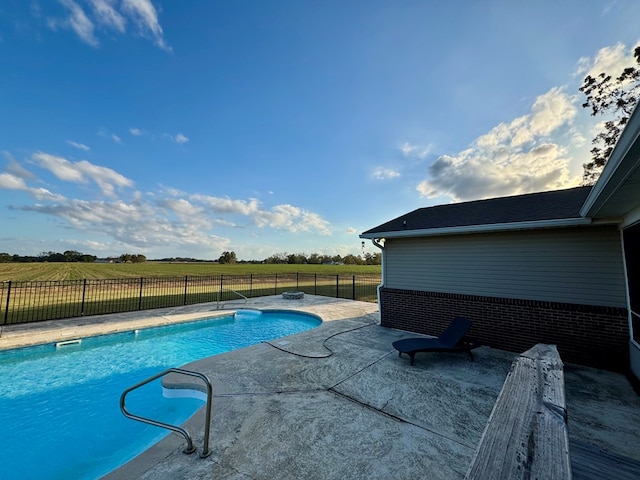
186,128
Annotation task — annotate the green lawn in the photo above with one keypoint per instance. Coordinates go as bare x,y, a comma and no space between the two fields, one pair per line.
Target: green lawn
46,291
79,271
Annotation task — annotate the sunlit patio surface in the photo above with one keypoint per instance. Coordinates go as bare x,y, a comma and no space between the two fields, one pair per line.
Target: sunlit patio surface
337,402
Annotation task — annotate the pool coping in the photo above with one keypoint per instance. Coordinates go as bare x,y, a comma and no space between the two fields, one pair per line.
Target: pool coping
54,331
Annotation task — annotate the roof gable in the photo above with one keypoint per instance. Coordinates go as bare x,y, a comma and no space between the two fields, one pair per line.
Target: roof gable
533,207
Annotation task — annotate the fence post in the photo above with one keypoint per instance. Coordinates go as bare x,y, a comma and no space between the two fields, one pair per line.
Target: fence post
275,288
6,309
337,286
84,289
140,297
250,285
353,290
297,280
220,294
186,280
315,283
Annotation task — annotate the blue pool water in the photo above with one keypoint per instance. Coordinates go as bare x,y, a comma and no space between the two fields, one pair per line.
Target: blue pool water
59,407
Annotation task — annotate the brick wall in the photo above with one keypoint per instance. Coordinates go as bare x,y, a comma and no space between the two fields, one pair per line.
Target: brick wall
584,334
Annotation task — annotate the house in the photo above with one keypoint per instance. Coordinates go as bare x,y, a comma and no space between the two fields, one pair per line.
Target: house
560,267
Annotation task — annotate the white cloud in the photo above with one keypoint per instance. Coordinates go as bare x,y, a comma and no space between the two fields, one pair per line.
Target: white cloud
137,224
42,194
282,217
551,111
136,132
416,151
61,168
82,172
177,221
292,219
78,22
173,192
351,231
179,138
144,14
381,173
79,146
513,158
116,138
314,222
227,205
610,60
16,169
105,13
11,182
182,207
104,177
223,223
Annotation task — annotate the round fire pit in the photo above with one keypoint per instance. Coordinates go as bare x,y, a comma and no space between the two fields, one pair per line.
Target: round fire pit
293,295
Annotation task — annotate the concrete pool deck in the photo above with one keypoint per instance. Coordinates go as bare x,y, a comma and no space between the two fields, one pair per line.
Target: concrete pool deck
336,402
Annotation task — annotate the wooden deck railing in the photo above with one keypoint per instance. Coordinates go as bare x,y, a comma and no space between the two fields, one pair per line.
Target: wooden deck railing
526,435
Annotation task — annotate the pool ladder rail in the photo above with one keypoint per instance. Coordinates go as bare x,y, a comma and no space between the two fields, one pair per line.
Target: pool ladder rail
190,448
224,305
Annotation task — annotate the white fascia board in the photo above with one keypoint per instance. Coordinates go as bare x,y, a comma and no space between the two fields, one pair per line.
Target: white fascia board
631,218
469,229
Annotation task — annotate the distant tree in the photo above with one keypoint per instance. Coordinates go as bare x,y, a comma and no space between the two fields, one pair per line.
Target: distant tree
314,259
51,257
5,258
352,260
132,258
228,257
373,258
72,256
296,258
277,258
611,96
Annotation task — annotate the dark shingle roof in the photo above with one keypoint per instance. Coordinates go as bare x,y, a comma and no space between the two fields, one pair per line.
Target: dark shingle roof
554,205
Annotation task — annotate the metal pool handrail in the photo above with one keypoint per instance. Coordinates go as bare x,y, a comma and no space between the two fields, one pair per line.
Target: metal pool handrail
190,448
232,291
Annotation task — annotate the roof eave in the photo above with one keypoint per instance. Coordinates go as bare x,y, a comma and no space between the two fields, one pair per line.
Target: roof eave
469,229
615,171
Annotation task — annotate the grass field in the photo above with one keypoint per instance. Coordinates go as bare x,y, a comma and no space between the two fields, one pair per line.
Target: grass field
79,271
47,291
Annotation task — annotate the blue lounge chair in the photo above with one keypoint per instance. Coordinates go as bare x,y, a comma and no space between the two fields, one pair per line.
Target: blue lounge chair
451,340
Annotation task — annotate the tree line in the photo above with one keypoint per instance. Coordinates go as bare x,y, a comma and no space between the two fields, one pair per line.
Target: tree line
69,256
226,258
313,259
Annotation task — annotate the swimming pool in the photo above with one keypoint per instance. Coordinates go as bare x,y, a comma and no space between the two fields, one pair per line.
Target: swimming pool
59,407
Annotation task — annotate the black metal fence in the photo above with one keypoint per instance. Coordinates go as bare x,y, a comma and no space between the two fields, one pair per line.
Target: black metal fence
23,302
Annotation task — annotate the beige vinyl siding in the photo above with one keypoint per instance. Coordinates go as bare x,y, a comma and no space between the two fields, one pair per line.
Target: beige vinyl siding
572,265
